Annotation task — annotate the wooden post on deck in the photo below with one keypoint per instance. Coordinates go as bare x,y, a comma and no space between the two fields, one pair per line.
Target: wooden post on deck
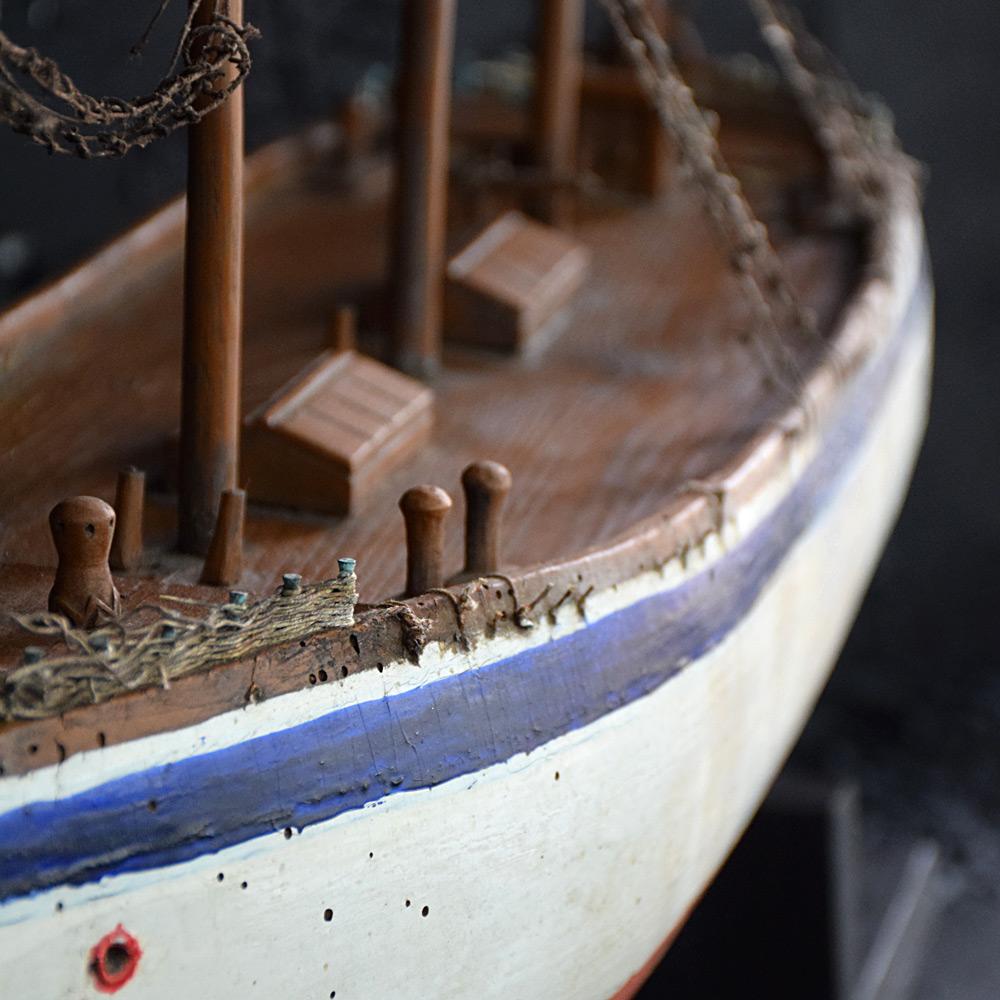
424,510
224,562
130,502
558,72
213,313
423,111
486,486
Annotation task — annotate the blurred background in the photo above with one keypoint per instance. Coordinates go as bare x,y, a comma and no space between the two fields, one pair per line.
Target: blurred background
913,711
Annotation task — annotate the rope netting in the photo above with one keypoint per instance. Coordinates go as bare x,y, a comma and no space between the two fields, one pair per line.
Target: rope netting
152,645
39,100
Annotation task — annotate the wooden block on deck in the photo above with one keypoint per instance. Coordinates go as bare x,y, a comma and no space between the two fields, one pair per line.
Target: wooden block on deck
331,434
511,282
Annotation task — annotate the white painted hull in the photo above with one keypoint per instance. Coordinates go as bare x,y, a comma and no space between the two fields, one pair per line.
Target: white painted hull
556,873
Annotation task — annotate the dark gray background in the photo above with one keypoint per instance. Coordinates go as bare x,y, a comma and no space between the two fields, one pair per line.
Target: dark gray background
913,711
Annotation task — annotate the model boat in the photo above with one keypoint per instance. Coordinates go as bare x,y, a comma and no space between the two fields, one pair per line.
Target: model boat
275,720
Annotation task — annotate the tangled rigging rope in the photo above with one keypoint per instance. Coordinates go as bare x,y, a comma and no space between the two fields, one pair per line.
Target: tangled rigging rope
56,114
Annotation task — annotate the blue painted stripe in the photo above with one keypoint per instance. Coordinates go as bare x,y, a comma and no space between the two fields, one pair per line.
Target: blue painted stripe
420,738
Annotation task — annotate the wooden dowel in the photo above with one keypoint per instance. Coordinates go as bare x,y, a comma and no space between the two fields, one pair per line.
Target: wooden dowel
130,503
213,307
423,109
486,486
558,74
344,329
224,562
424,509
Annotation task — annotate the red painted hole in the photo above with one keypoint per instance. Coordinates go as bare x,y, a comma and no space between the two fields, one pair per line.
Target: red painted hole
114,959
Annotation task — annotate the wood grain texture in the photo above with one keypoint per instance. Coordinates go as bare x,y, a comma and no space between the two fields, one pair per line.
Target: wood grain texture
685,395
644,394
326,440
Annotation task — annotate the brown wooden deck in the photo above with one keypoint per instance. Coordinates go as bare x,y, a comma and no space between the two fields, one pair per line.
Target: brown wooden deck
645,389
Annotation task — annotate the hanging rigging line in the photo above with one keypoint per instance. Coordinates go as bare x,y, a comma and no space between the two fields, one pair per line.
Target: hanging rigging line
774,308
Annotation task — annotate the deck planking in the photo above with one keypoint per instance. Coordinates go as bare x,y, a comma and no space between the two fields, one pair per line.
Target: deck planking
645,389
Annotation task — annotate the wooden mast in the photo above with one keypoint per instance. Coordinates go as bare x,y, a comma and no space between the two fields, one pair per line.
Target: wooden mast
213,307
423,108
558,72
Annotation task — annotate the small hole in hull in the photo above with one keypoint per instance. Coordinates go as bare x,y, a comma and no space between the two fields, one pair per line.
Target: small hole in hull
116,959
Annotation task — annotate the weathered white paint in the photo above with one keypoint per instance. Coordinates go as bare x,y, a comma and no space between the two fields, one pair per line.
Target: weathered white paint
535,886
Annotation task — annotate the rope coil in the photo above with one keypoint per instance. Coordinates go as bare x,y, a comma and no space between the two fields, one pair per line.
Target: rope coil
39,100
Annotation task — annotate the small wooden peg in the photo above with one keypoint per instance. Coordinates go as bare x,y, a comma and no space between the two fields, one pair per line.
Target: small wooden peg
486,486
424,509
83,589
224,562
130,501
344,329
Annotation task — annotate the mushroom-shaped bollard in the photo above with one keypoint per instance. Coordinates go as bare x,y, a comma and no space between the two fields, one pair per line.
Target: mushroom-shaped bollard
83,590
486,486
424,509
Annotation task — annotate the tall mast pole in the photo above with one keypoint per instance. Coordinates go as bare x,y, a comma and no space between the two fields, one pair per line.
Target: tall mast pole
213,311
423,109
558,72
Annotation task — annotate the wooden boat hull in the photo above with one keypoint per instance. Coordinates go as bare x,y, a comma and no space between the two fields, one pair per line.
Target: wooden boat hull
533,816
